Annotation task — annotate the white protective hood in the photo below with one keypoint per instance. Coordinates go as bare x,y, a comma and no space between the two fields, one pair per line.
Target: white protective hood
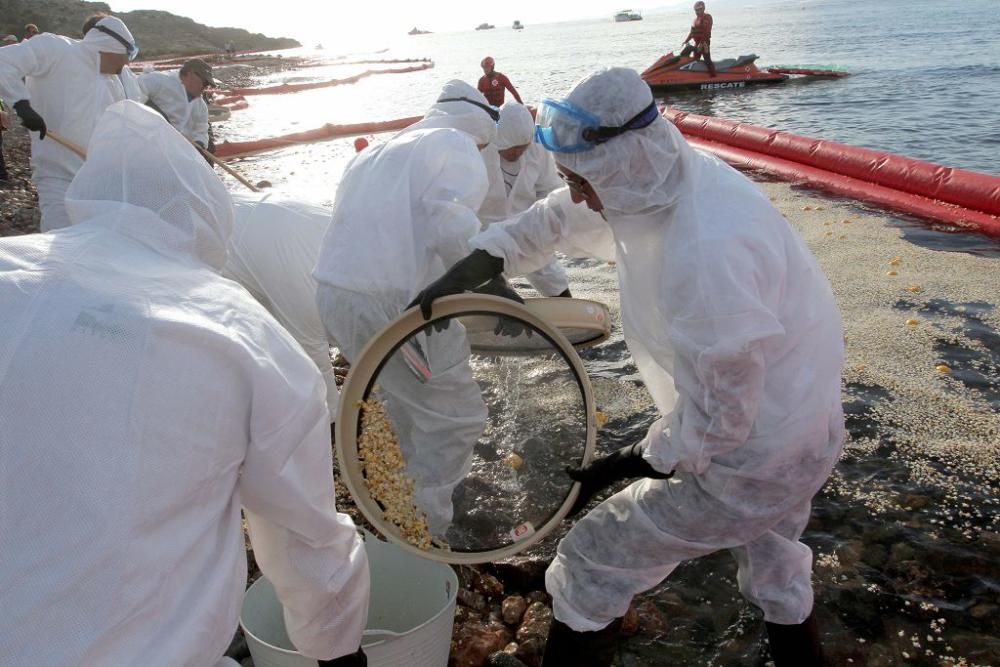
405,210
460,115
145,180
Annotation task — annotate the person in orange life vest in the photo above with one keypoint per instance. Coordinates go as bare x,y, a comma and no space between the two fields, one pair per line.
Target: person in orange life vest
493,83
701,33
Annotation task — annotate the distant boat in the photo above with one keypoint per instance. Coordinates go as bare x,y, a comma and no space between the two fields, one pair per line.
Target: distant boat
417,31
319,47
627,15
485,26
517,25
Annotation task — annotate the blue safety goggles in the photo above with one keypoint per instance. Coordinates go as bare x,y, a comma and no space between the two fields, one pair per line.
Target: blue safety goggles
130,48
563,127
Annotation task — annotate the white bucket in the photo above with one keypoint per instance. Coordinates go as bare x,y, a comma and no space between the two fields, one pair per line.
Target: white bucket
410,615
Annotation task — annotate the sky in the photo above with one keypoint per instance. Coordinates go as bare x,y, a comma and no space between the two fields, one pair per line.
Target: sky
354,23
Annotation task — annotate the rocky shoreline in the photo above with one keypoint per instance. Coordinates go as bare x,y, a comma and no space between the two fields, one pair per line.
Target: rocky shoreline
18,200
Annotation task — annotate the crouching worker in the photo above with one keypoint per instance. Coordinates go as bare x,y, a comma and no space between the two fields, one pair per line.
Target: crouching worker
736,333
145,399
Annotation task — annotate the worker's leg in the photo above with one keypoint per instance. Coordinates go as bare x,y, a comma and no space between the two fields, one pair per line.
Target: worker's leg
550,280
52,202
706,54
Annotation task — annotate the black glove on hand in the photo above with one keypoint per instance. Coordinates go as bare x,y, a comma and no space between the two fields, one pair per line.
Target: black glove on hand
30,118
505,325
599,474
356,659
467,274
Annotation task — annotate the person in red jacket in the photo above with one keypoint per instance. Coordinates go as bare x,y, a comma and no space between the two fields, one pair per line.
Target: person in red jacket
701,34
493,83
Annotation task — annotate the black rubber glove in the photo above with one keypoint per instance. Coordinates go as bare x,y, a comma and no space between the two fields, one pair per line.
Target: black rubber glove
356,659
467,274
30,118
505,325
599,474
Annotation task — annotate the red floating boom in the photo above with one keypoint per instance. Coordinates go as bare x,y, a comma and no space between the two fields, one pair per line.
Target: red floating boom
956,196
324,133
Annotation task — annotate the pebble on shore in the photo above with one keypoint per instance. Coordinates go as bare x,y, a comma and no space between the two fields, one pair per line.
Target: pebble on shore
18,202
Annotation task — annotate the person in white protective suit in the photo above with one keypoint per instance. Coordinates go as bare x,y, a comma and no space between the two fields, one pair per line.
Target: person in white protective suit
736,333
272,252
145,398
403,212
177,96
527,173
62,84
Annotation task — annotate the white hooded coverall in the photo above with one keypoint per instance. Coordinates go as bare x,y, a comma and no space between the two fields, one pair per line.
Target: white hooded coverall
167,92
404,213
524,181
144,399
62,80
272,252
736,333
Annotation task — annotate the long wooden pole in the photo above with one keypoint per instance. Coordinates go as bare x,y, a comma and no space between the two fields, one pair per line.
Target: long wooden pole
76,148
229,170
56,137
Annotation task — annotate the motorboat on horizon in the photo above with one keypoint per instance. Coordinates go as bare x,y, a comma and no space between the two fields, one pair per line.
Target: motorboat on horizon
517,25
627,15
485,26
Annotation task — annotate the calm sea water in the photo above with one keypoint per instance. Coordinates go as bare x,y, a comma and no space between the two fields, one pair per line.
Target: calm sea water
925,73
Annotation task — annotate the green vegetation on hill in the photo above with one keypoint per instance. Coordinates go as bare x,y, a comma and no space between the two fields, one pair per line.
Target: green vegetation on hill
158,33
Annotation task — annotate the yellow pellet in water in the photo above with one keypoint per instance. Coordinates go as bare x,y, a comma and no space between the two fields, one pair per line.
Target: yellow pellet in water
601,418
891,273
942,368
514,461
913,322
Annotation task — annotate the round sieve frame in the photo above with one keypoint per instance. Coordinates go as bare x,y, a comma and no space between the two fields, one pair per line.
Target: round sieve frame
591,317
362,377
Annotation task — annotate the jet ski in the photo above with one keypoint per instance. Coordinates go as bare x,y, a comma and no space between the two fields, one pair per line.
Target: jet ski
673,72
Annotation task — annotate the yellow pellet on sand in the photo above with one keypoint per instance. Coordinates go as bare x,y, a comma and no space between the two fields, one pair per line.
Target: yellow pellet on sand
912,322
385,474
601,418
892,273
942,368
916,289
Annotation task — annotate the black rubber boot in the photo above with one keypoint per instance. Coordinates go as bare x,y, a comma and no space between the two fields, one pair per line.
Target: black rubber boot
796,645
566,646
